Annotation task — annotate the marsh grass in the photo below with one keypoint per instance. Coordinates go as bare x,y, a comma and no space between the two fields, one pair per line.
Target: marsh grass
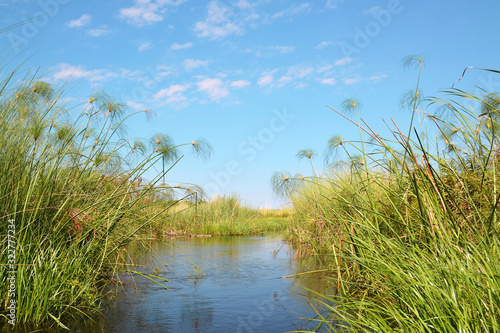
73,187
223,215
412,225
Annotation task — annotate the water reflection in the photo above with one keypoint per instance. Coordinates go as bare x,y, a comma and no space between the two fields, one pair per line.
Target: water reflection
218,284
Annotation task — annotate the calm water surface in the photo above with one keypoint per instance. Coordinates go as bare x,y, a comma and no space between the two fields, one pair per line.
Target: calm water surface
217,284
237,286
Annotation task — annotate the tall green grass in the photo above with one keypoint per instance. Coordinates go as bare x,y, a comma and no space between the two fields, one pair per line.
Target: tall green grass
412,223
73,188
220,216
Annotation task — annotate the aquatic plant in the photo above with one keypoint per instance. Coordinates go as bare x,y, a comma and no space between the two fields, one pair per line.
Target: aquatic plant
71,196
411,226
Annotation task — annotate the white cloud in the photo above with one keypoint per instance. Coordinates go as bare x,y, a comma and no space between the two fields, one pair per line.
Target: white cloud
67,71
99,32
190,64
328,81
240,84
333,4
215,88
152,75
343,61
300,71
244,4
352,80
172,90
284,80
172,94
292,74
323,44
293,10
323,68
217,24
285,49
252,17
145,12
266,79
377,78
83,20
144,45
135,105
300,75
176,46
142,13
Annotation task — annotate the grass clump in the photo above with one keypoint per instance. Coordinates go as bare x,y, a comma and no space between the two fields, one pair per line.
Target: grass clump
70,198
412,223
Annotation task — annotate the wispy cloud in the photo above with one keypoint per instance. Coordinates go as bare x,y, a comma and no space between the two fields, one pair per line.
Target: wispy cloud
144,45
135,105
150,76
172,94
373,9
176,46
293,10
328,81
239,84
215,88
295,75
352,80
343,61
285,49
266,78
145,12
99,31
300,71
323,68
190,64
217,24
377,78
323,44
82,21
333,4
66,71
244,4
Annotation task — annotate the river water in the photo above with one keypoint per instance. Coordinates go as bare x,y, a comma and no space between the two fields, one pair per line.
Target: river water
215,284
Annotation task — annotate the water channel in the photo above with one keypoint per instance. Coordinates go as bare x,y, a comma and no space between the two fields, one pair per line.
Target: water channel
215,284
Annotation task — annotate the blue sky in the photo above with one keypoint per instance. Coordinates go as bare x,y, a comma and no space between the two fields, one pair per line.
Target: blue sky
253,77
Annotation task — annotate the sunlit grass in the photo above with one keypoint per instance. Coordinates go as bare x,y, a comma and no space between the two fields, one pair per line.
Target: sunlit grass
221,216
412,224
73,187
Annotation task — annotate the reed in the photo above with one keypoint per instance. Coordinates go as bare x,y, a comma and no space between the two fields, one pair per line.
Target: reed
411,224
70,188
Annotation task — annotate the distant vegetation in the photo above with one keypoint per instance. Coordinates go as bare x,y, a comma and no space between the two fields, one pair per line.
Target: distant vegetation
221,216
411,221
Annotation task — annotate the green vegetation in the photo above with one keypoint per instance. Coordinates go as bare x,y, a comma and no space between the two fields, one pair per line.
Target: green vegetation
71,197
222,216
411,221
